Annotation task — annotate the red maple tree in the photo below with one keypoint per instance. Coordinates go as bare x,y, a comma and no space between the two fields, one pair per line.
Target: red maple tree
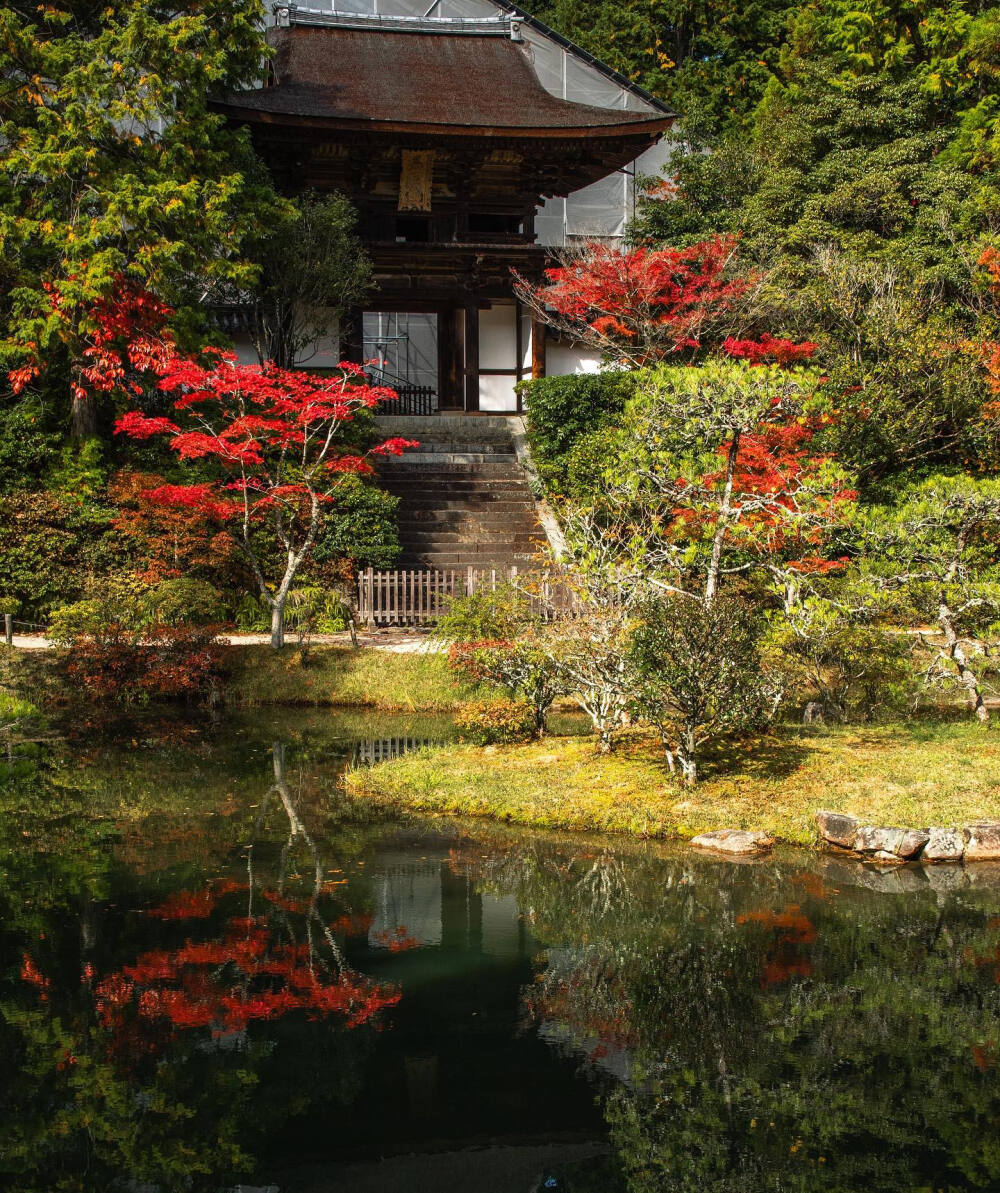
637,306
270,442
118,339
165,541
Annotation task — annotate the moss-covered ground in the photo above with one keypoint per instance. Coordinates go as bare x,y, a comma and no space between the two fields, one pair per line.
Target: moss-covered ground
925,772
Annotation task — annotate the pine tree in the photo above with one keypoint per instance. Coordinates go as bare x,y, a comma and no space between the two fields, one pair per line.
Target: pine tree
112,164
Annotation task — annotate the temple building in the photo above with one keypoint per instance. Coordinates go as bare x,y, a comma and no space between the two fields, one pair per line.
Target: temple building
472,140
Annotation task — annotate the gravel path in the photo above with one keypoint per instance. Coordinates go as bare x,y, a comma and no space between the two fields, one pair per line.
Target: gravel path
394,641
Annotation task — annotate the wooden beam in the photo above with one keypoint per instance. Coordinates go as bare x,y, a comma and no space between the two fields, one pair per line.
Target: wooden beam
537,348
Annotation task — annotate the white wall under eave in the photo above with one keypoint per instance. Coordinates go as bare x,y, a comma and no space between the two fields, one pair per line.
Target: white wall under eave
567,360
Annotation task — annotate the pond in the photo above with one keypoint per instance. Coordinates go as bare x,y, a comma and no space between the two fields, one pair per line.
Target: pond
214,974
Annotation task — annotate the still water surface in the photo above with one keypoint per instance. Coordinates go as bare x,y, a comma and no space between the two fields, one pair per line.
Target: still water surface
213,973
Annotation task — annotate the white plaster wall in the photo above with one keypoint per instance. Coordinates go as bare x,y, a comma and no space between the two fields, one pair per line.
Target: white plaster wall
564,360
498,337
496,394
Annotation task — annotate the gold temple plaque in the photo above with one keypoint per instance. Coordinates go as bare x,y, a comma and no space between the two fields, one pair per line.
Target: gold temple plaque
416,179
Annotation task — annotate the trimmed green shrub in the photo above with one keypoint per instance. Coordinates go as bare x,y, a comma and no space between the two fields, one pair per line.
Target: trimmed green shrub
563,410
362,526
184,601
489,614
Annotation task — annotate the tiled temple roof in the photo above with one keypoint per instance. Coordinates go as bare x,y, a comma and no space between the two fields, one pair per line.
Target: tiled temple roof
470,78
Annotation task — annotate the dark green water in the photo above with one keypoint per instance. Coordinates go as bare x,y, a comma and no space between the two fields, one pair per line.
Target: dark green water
213,973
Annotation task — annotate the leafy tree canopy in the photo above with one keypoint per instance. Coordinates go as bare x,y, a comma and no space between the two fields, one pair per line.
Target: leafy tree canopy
112,163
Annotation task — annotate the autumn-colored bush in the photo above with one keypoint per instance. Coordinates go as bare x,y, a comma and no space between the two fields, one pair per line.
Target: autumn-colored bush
496,722
131,666
522,666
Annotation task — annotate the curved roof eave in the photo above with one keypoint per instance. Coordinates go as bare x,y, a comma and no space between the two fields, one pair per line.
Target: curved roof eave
255,114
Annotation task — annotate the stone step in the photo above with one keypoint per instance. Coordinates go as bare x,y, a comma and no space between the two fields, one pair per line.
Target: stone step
450,447
446,429
434,456
456,485
448,542
433,520
482,505
424,465
448,561
464,499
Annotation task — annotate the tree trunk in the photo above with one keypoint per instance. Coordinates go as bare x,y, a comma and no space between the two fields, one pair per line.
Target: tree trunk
83,418
688,758
966,676
725,512
278,623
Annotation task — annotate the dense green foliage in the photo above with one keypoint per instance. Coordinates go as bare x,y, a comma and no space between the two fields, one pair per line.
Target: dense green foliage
562,410
861,176
118,179
113,163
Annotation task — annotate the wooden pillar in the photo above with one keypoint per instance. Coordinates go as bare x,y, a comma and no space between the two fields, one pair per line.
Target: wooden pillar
352,340
471,355
537,348
451,375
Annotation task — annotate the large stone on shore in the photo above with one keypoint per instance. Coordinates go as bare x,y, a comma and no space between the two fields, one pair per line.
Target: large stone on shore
982,842
902,842
913,844
837,828
734,840
944,845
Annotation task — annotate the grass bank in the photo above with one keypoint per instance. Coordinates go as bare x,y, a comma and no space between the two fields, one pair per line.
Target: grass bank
340,676
253,676
941,772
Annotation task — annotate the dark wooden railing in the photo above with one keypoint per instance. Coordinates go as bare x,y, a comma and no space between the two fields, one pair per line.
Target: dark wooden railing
412,399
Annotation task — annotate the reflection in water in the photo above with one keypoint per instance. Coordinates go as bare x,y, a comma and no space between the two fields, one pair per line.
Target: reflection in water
368,753
215,977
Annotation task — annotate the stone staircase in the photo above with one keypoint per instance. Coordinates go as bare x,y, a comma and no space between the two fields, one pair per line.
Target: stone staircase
465,499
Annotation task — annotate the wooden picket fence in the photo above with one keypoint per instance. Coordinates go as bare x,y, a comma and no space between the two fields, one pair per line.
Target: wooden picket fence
421,596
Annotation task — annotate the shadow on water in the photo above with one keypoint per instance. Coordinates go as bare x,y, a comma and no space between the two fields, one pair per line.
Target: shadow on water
213,973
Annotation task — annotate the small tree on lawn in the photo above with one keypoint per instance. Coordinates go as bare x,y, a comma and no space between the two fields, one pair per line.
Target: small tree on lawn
698,673
637,306
522,666
941,545
271,440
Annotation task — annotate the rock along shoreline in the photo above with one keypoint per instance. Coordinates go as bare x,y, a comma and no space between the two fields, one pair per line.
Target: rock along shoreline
892,846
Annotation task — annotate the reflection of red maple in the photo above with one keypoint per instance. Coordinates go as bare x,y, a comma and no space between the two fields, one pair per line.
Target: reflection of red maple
229,983
396,942
792,929
246,974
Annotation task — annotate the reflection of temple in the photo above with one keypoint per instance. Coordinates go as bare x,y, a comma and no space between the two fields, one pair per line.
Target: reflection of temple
438,907
457,1071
